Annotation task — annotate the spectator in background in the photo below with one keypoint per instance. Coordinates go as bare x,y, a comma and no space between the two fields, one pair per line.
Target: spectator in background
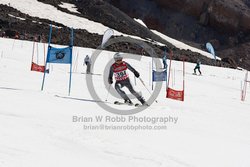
197,67
164,58
87,61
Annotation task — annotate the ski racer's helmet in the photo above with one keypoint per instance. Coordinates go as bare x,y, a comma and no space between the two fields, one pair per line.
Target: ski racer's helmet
118,56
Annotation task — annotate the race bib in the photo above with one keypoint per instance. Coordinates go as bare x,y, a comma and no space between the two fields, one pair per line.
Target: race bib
121,75
120,71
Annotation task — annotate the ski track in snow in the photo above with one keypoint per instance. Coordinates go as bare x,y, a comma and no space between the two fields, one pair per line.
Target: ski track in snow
213,124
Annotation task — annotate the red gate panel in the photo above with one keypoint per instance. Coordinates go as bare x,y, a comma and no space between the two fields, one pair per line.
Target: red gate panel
36,67
175,94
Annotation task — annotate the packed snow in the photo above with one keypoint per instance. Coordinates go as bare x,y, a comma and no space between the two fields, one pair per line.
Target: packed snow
20,18
70,7
212,126
140,22
182,45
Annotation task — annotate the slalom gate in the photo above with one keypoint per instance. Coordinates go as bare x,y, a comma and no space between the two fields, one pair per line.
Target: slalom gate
159,75
59,56
244,88
36,64
173,93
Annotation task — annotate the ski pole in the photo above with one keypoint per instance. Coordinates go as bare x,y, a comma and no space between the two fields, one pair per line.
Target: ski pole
135,80
146,88
108,92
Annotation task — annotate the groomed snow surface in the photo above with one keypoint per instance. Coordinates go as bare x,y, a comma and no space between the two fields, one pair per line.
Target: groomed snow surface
37,128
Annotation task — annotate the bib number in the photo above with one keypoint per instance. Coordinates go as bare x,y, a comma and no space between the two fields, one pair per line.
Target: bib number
121,75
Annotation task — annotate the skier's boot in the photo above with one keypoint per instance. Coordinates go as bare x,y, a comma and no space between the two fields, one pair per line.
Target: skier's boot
143,102
129,102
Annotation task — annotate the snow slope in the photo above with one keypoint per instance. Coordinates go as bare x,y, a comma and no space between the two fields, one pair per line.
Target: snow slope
140,22
37,128
182,45
45,11
69,7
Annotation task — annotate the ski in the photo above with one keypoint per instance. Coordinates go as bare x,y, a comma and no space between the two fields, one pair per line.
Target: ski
136,104
197,74
121,103
141,105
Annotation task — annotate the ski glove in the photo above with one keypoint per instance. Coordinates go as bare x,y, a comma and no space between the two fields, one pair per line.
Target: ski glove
137,75
110,80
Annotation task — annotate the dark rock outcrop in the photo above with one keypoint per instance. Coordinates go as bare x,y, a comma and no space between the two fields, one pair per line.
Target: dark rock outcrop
99,11
225,23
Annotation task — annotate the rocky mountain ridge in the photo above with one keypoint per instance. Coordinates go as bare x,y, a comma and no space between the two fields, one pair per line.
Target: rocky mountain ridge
105,13
224,23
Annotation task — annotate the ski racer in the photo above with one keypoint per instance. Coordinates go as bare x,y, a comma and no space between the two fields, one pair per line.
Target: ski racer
119,70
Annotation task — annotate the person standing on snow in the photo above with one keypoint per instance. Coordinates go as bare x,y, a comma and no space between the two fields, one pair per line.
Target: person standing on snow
164,61
198,64
119,69
164,58
87,61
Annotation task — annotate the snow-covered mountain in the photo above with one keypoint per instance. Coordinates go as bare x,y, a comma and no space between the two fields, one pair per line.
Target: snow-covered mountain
225,24
88,31
210,128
